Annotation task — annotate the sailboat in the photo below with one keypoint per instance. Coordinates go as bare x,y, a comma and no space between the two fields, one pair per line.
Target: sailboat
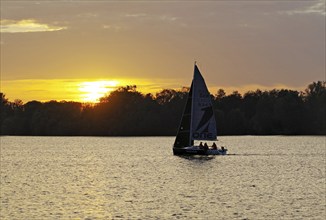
198,122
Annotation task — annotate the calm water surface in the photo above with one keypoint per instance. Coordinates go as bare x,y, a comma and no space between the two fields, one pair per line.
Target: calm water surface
272,177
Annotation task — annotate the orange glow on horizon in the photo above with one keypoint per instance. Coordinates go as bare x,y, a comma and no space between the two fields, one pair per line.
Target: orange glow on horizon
77,90
91,90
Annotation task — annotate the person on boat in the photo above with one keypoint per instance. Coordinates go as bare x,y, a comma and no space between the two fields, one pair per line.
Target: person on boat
214,146
222,148
205,146
201,145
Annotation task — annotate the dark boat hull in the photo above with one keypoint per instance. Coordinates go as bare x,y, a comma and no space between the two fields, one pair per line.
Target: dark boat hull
197,151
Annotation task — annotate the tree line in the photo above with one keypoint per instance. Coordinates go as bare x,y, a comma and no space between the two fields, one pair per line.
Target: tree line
128,112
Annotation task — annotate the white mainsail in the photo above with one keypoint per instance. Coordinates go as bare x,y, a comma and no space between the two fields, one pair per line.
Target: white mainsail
203,125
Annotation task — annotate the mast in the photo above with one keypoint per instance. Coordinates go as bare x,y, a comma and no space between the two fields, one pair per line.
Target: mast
192,106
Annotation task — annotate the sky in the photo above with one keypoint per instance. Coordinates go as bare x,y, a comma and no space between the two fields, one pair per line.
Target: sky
79,50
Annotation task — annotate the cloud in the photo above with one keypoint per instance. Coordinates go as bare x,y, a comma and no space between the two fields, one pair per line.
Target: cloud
138,15
24,26
88,15
168,18
113,27
144,16
317,8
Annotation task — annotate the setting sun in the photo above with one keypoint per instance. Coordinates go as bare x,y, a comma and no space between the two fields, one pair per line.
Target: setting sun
92,91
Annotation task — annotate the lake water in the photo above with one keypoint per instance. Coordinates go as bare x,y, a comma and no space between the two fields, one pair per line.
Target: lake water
265,177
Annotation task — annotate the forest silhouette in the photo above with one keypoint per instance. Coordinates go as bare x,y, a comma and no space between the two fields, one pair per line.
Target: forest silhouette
128,112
